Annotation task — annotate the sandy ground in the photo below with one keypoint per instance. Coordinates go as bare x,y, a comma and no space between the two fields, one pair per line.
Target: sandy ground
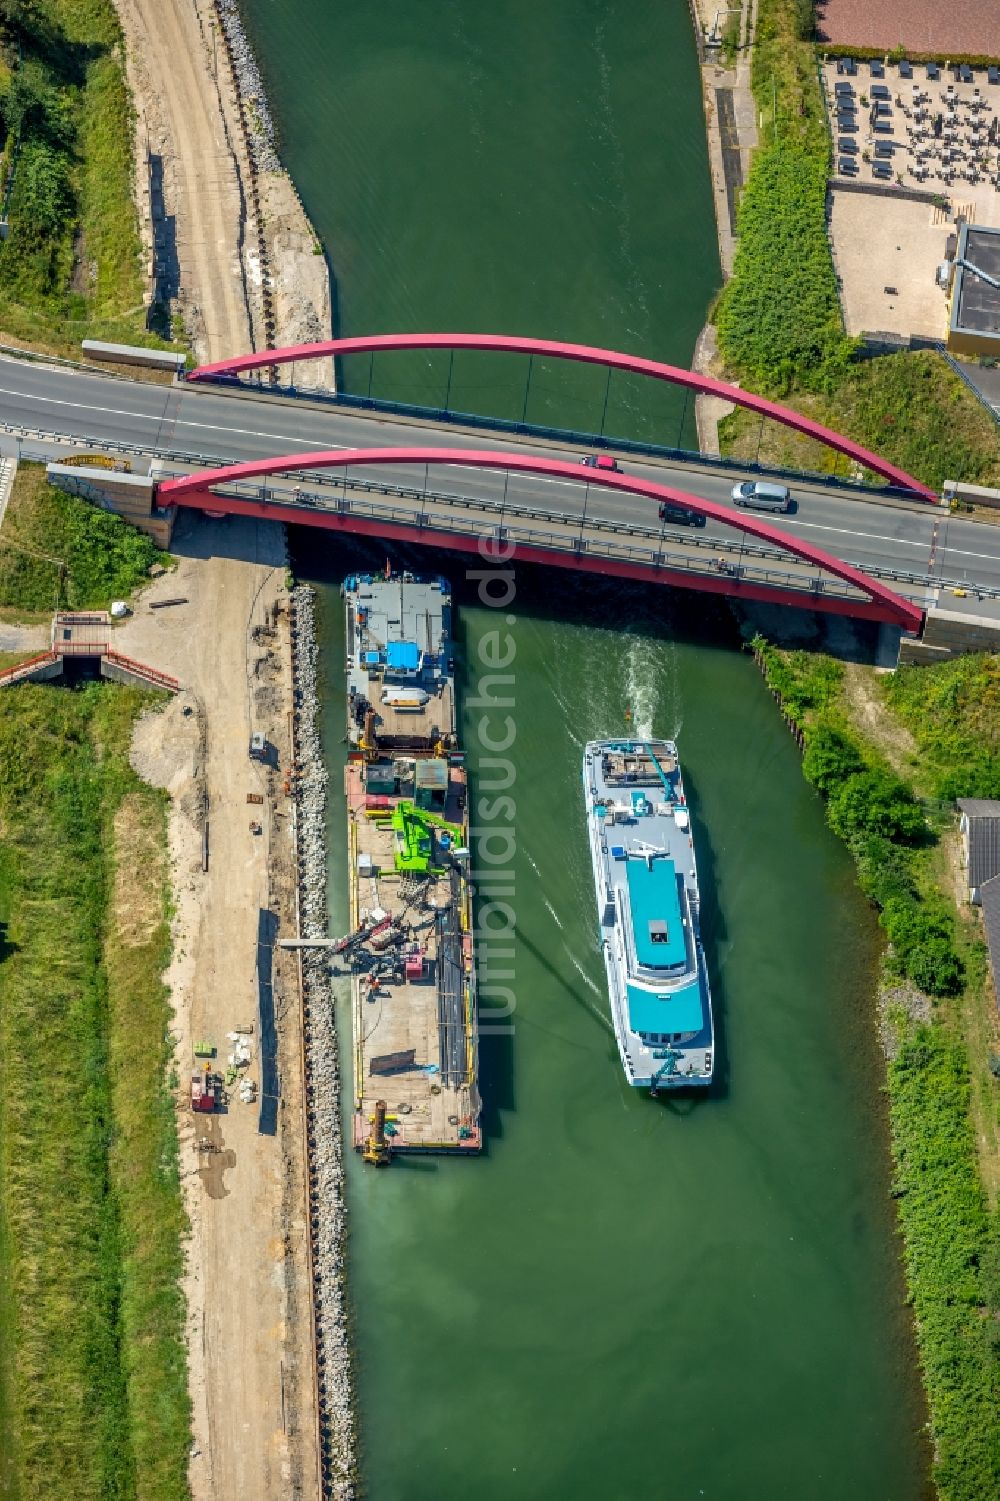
188,110
178,104
252,1371
879,243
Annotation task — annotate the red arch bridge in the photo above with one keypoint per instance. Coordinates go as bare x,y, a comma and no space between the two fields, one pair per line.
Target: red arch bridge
765,564
584,354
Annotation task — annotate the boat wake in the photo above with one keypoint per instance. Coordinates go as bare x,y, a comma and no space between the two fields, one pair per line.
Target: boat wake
642,684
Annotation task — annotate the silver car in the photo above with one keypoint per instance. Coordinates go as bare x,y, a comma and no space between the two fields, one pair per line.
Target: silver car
762,496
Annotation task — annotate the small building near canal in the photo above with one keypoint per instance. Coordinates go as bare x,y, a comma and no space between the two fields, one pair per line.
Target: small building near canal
979,826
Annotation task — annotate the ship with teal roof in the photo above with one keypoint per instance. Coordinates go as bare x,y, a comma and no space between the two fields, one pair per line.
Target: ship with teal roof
646,883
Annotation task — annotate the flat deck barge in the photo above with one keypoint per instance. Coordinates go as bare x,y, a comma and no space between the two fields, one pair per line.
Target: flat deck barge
410,945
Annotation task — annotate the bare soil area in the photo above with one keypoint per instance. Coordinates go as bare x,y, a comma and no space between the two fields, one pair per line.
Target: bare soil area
206,235
177,99
877,722
252,1368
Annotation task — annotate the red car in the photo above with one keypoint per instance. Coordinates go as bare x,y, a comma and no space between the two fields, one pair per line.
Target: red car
601,461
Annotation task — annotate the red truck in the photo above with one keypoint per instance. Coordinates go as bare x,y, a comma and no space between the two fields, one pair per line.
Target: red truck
206,1089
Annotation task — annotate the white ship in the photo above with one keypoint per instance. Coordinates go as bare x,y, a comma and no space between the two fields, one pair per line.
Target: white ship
646,883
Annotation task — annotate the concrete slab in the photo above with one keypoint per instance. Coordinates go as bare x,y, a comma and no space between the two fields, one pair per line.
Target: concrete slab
882,243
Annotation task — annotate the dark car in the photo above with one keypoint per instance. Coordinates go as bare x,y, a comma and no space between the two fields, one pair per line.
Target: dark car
680,516
601,461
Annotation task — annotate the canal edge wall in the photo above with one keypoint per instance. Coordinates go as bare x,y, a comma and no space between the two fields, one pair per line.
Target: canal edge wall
324,1138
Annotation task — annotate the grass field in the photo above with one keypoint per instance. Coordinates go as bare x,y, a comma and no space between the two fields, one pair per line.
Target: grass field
60,552
71,267
93,1388
909,408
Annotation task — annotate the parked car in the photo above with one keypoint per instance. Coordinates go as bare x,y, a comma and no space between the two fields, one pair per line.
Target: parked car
762,496
601,461
680,516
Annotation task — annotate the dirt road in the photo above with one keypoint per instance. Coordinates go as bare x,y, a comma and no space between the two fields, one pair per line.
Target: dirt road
177,100
250,1336
214,259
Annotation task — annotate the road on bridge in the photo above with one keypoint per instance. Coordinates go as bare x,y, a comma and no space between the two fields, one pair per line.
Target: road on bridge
881,535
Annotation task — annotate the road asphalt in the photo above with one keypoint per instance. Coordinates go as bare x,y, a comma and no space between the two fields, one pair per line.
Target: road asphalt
881,534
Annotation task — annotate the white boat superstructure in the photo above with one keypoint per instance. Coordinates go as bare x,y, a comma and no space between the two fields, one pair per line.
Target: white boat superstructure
646,884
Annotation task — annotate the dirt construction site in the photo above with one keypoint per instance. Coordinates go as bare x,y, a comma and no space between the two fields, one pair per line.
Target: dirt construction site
251,1351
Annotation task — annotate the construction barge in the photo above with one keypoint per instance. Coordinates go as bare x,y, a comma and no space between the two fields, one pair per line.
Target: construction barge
410,945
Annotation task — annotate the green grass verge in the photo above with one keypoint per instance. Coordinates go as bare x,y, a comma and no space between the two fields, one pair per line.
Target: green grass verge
911,408
939,1071
71,267
60,552
95,1388
953,713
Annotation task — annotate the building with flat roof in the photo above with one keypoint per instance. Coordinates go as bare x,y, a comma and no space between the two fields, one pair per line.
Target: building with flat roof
974,321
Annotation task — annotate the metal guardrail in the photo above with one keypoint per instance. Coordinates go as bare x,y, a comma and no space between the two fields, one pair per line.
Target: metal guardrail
190,460
963,375
500,509
656,557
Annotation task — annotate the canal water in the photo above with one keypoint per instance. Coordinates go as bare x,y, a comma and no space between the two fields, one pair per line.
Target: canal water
520,166
620,1298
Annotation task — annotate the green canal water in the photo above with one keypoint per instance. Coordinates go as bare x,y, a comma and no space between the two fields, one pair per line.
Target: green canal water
523,166
620,1298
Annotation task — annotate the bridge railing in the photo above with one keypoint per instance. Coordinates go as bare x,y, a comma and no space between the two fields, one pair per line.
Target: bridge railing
804,581
335,489
196,460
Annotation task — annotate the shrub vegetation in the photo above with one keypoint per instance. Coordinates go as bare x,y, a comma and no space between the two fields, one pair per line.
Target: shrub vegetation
58,551
70,267
951,1240
779,318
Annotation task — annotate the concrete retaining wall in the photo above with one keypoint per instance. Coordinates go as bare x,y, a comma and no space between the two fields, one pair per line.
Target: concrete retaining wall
949,633
977,495
129,495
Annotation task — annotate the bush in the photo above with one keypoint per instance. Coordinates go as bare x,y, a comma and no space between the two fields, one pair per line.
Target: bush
883,869
779,317
922,937
830,758
952,1258
875,802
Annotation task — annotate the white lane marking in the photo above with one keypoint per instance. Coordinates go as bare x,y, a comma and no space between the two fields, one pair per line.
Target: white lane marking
950,551
244,432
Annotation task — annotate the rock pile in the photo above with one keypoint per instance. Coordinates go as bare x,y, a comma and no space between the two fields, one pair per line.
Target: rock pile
260,126
326,1165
